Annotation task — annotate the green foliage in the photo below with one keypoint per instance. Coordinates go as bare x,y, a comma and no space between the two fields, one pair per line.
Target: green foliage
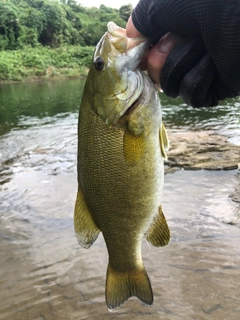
51,37
96,24
43,61
9,25
125,11
54,23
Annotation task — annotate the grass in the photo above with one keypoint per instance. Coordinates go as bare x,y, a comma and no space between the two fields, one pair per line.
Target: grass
44,63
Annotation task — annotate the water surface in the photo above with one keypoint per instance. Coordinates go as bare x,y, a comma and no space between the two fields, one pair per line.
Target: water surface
44,273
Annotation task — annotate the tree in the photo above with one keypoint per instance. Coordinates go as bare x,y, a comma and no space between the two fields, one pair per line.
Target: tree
125,11
54,23
9,25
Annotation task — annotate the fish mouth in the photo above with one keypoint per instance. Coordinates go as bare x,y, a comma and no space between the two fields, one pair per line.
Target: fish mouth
119,39
115,30
125,57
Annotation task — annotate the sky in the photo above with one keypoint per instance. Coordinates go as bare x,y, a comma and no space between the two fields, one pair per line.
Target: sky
109,3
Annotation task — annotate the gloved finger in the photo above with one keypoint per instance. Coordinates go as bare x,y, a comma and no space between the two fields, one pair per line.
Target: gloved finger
221,89
202,87
195,87
181,59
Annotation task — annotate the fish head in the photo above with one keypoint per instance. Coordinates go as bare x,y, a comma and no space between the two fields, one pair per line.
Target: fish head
117,81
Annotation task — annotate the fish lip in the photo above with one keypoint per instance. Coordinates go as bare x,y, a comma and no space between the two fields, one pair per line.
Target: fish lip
118,32
113,28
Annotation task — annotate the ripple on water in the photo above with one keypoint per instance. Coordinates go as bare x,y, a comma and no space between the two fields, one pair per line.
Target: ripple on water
44,273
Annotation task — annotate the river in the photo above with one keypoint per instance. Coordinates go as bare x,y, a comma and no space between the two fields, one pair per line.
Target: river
45,274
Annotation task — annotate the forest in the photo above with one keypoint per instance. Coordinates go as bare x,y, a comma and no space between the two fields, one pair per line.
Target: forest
48,38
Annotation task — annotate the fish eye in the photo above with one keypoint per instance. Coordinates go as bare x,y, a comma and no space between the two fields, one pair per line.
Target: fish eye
99,63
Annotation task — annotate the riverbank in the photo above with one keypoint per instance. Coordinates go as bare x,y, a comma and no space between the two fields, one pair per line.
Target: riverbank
51,74
43,63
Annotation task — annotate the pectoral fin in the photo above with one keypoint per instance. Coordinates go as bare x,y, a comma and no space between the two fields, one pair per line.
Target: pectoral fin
158,233
133,146
85,229
164,142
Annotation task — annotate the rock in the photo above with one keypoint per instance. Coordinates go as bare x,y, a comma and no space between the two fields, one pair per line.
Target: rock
195,150
203,150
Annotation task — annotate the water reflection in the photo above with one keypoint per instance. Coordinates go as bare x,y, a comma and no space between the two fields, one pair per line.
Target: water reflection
224,118
46,99
44,273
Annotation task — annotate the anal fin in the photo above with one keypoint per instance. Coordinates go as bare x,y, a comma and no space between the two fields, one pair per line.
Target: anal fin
85,228
158,233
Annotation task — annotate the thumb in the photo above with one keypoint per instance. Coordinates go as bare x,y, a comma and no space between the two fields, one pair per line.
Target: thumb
158,55
131,31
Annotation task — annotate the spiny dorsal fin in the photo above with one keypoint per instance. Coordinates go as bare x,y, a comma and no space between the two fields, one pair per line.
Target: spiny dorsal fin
120,286
85,229
158,233
164,142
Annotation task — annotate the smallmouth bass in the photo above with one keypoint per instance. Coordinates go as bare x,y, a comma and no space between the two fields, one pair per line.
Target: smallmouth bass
121,150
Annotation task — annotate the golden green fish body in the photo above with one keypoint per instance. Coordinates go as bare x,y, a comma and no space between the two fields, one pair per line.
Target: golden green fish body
120,175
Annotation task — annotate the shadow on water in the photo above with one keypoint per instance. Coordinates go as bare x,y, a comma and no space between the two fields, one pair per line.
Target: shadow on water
44,273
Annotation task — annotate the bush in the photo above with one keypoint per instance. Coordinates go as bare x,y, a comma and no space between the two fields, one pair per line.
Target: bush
44,61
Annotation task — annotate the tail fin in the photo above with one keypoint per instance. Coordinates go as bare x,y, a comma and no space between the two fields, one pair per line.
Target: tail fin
120,286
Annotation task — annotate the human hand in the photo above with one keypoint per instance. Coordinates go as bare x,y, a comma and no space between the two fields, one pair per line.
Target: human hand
155,58
204,67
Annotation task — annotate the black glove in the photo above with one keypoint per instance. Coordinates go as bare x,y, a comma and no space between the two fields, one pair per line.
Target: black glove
205,66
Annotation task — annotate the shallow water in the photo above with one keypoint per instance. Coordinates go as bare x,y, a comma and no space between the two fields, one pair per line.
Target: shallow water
45,274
